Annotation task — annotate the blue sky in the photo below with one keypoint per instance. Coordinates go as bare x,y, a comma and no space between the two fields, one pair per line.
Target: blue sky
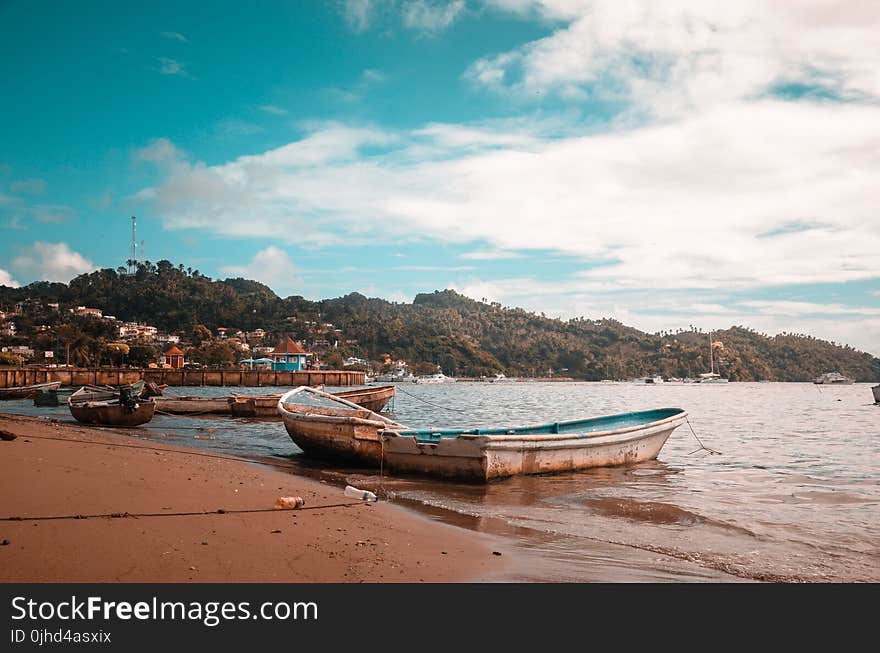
665,165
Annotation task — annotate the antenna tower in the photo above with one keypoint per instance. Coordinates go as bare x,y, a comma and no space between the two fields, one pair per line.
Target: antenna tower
132,262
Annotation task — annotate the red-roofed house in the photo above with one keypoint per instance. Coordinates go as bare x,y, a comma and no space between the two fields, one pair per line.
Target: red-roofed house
173,357
288,356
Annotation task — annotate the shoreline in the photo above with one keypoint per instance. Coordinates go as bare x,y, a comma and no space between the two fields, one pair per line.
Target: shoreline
118,508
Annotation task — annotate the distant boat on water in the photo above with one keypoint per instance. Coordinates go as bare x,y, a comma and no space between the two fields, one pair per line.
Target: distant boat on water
833,378
648,380
439,377
395,377
876,391
711,376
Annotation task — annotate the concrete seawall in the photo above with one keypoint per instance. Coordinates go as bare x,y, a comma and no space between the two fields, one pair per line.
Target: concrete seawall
11,377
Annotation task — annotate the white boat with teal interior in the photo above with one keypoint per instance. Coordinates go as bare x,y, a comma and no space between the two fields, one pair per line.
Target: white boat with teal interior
325,425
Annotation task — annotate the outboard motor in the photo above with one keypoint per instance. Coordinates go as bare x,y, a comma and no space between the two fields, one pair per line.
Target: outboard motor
127,399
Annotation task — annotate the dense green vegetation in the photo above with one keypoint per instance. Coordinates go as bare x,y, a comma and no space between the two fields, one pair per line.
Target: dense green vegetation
463,336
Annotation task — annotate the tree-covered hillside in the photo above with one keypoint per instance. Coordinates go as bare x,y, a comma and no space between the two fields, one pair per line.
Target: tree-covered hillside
463,336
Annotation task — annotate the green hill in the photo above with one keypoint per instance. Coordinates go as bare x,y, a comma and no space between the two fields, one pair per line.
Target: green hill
465,337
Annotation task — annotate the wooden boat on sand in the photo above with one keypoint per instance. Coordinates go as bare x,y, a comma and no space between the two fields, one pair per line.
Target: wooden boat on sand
27,391
266,406
193,405
126,409
322,424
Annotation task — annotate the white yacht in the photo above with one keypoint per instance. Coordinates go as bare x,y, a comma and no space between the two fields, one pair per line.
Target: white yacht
439,377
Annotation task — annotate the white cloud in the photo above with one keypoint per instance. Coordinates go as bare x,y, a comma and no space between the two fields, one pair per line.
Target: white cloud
785,308
430,16
372,76
684,204
358,13
159,150
494,255
369,78
672,56
273,267
7,280
426,16
175,36
271,108
172,67
44,261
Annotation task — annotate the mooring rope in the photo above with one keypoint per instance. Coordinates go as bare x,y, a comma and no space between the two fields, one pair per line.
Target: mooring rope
702,446
430,403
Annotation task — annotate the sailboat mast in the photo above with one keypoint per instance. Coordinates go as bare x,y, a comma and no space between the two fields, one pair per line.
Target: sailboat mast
711,360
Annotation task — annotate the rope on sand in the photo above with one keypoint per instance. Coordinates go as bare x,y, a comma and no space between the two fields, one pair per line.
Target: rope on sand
219,511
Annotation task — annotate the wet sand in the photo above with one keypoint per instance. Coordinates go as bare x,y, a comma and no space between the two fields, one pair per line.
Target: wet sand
51,469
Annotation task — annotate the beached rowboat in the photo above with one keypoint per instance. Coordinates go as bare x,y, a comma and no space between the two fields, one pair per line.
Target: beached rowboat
124,410
266,406
27,391
322,424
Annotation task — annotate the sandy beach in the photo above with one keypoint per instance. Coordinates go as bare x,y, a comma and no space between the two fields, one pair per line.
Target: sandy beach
51,469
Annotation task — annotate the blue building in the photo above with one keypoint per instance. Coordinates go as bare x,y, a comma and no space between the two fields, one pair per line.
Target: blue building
288,356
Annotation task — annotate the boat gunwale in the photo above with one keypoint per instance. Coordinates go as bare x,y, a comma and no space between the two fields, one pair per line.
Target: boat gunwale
519,433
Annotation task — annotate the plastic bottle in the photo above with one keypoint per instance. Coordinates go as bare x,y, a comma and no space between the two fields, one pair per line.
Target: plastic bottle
289,502
364,495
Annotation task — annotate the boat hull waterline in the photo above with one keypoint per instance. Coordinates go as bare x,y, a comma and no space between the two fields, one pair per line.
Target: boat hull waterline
370,439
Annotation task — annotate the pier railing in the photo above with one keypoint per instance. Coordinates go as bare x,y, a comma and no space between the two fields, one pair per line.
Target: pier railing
74,376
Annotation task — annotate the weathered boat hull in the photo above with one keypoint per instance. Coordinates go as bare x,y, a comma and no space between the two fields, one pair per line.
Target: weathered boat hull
350,435
483,458
112,414
27,391
876,391
195,405
479,455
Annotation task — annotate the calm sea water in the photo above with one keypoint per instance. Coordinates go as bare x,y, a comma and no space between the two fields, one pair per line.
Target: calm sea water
792,494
